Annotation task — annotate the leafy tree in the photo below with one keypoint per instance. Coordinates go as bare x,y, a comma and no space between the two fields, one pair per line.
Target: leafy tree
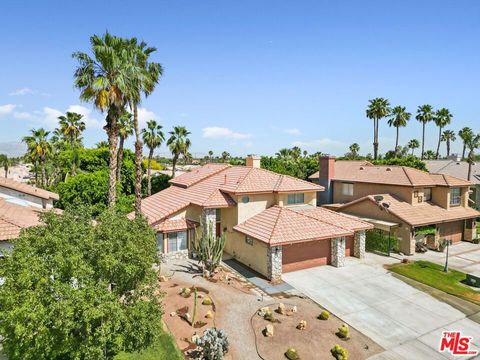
354,149
296,152
179,144
78,290
153,137
71,127
410,161
158,183
378,108
284,154
399,118
430,155
442,118
473,143
448,136
302,168
425,114
465,134
5,163
413,144
101,144
225,156
125,129
210,155
38,149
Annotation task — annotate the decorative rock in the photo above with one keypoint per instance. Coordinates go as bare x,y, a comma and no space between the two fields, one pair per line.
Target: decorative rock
187,317
281,309
209,315
269,315
200,295
263,311
302,325
294,309
206,273
185,292
292,354
173,314
207,301
162,278
268,331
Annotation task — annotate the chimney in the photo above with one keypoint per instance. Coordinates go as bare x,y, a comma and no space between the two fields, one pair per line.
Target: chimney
252,161
326,174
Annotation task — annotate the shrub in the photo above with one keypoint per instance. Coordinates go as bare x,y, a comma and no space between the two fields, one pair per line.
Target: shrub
213,344
343,332
324,315
292,354
269,315
339,352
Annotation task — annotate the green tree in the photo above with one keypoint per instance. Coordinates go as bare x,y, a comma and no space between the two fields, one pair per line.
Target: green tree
296,153
448,136
5,163
413,144
106,80
443,117
425,114
354,149
125,129
430,155
225,156
378,109
284,154
399,118
71,127
210,155
179,144
78,290
38,149
465,134
153,137
473,143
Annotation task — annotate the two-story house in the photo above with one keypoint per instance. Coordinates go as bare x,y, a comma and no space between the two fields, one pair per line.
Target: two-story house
270,221
399,199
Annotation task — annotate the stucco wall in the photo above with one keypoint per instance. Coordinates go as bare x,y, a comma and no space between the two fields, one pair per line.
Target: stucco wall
441,196
256,205
7,193
364,189
254,256
310,198
191,212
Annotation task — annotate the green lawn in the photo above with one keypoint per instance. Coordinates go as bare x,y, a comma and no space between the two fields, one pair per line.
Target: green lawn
432,274
165,348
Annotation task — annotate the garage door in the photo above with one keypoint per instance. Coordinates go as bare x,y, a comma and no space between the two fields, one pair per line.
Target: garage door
349,246
305,255
452,231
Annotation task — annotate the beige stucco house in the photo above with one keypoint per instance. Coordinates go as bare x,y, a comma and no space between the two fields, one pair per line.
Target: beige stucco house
271,222
399,200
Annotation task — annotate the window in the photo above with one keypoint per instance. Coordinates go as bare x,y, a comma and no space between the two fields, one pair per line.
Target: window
455,196
296,198
249,240
427,194
347,189
177,241
218,214
160,242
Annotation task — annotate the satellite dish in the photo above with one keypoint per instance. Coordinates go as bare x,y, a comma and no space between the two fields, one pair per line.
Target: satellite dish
378,198
386,205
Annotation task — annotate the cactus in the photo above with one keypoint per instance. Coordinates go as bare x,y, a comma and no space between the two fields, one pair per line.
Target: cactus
209,249
339,352
194,313
324,315
213,344
343,332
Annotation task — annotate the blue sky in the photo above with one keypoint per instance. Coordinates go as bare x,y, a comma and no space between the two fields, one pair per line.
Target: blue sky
252,76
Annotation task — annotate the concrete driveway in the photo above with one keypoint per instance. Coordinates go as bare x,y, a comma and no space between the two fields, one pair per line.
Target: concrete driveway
402,319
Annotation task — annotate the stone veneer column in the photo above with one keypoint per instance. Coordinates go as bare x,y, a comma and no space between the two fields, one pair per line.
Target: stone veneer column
209,218
359,244
338,252
274,263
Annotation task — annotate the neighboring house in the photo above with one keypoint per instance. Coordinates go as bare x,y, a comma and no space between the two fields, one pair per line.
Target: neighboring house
399,200
20,205
459,169
270,221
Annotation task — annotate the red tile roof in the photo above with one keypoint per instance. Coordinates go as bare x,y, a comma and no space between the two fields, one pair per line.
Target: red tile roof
174,225
27,189
282,225
416,215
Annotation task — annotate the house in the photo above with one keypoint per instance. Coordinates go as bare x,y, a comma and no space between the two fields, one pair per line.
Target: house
459,169
399,200
20,206
270,221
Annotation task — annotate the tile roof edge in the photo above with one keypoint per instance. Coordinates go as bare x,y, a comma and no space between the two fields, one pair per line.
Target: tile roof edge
314,218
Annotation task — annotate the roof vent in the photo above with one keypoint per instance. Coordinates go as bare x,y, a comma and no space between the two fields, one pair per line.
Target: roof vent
362,168
386,205
378,198
389,169
225,179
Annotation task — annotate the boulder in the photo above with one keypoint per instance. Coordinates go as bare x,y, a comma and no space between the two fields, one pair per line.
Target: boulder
187,317
294,309
162,278
302,325
207,301
173,313
281,309
263,311
186,292
209,315
268,331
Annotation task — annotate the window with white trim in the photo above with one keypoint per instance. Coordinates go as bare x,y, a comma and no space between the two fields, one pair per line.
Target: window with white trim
177,241
427,194
347,189
455,196
298,198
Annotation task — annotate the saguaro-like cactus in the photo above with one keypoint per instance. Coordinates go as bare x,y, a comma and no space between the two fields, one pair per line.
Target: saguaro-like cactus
209,248
194,313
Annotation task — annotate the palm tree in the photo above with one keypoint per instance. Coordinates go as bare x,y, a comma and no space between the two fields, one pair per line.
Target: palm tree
101,144
413,144
5,163
71,127
473,143
210,155
443,117
296,153
354,149
378,108
465,134
153,137
284,154
178,143
125,129
305,153
147,76
424,115
429,155
225,156
448,136
105,80
399,119
38,148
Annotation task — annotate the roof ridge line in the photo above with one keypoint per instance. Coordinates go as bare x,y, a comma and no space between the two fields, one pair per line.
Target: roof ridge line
408,177
314,218
223,167
276,221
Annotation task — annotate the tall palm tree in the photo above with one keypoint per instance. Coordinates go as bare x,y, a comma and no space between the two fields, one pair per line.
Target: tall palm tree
153,137
465,134
413,144
354,149
179,144
71,127
225,156
105,80
443,117
448,136
378,108
284,154
473,143
5,163
147,77
399,118
425,114
296,153
125,129
38,148
210,155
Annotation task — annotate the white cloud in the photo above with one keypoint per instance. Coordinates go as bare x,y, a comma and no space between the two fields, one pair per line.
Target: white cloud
22,91
292,131
323,144
145,115
215,132
22,115
7,109
90,122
